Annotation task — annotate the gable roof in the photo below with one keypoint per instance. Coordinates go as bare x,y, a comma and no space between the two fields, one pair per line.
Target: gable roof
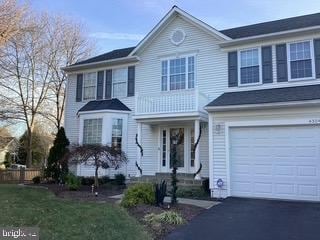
263,96
173,12
281,25
110,104
117,53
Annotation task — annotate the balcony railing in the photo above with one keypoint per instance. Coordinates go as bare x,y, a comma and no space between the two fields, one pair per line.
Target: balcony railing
179,101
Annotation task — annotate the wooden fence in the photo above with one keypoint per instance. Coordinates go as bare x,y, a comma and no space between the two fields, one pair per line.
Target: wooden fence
21,175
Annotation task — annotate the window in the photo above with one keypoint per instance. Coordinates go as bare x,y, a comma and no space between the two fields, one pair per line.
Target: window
92,130
249,66
300,60
177,73
119,82
89,86
192,152
117,133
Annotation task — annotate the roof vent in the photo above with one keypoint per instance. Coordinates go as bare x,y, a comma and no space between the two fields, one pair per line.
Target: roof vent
177,37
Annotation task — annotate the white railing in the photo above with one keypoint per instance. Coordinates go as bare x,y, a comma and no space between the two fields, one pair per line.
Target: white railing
171,102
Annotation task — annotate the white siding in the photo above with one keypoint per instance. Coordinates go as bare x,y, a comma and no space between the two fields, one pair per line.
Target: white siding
220,137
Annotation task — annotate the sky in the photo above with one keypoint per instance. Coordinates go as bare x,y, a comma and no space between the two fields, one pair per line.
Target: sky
116,24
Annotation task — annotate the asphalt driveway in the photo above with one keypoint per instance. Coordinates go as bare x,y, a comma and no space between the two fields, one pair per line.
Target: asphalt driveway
252,219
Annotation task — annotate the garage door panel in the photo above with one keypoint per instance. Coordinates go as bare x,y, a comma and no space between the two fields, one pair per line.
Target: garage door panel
275,162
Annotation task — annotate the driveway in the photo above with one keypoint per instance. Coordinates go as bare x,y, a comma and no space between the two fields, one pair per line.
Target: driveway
252,219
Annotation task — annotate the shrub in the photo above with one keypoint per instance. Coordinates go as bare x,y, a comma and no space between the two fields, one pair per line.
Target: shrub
73,182
160,192
87,181
141,193
104,180
36,179
119,179
192,192
169,217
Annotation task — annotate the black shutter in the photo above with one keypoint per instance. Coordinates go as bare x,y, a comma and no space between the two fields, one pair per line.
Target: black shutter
131,79
79,87
108,93
282,70
316,44
100,78
232,69
267,64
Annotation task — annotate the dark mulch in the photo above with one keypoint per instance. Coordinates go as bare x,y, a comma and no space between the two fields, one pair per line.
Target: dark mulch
85,192
161,231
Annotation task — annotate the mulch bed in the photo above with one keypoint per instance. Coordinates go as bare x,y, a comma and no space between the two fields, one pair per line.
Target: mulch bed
85,192
161,231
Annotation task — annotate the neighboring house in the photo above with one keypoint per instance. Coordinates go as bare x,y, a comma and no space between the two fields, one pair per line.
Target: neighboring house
253,92
8,146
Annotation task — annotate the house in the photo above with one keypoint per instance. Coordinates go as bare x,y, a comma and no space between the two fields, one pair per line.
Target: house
8,145
247,98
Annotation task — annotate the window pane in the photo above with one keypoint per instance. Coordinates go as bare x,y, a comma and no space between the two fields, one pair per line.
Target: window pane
92,130
89,86
249,58
164,78
190,72
117,125
119,82
249,75
301,69
177,74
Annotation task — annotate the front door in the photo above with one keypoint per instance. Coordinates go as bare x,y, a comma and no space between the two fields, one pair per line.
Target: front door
176,143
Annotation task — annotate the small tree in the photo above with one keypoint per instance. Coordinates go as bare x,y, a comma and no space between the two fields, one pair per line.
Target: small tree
99,156
57,164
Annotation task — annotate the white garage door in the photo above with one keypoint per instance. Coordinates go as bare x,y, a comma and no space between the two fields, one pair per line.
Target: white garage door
275,162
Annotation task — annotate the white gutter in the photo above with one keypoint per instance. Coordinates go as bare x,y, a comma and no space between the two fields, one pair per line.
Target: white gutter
123,60
238,41
262,106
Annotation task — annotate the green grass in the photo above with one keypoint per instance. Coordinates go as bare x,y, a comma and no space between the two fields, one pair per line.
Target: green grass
65,219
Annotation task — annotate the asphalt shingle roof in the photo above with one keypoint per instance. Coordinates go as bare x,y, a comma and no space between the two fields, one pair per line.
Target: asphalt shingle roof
273,26
110,104
274,95
117,53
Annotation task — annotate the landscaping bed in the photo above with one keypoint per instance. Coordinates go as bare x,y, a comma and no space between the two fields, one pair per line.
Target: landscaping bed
161,230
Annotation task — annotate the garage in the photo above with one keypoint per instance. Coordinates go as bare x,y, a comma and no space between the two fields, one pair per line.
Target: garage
280,162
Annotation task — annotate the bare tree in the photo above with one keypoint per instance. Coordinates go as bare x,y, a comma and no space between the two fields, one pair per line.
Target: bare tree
10,16
25,74
70,45
99,156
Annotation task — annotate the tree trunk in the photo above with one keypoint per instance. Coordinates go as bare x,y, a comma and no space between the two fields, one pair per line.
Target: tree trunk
29,148
96,178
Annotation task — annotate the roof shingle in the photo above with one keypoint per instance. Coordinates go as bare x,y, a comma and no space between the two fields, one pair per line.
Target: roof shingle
110,104
273,26
274,95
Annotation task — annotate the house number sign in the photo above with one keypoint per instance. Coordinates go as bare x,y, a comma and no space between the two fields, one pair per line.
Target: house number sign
314,121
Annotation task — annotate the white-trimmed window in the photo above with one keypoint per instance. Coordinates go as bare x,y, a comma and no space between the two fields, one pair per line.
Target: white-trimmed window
89,86
300,60
178,73
92,131
117,124
249,72
119,82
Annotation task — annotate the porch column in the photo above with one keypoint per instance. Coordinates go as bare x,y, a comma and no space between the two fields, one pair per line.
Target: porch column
139,132
197,152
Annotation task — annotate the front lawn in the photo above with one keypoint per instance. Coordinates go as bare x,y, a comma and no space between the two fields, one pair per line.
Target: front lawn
65,219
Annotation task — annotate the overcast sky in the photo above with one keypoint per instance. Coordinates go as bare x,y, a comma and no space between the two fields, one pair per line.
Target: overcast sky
122,23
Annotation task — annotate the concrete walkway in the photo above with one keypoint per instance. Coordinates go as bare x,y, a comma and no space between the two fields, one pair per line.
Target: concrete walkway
194,202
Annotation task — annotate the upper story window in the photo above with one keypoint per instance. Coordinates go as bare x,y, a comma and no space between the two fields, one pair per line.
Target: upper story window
178,73
89,86
92,131
117,124
300,60
249,66
119,82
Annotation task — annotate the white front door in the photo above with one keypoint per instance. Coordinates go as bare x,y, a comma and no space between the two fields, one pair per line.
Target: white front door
275,162
178,138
